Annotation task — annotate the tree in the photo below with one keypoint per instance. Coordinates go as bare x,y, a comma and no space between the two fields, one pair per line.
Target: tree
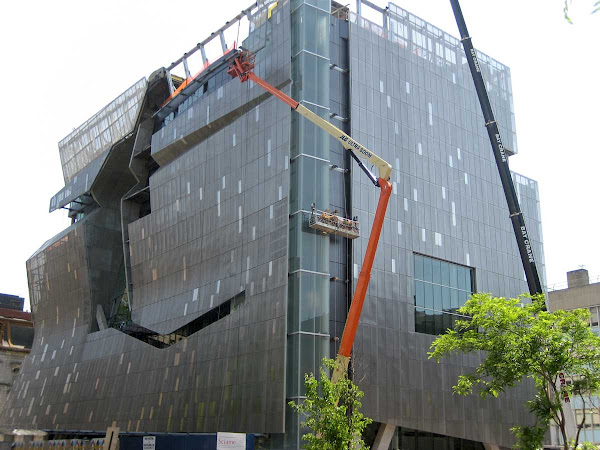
524,341
595,9
331,412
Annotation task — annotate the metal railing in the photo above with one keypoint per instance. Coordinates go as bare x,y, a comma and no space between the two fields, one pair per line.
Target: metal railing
330,222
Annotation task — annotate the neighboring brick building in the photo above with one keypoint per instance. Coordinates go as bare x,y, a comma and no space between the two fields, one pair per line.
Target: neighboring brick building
16,338
580,293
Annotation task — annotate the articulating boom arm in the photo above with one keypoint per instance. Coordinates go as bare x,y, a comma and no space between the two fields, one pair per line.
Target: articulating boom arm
242,68
516,215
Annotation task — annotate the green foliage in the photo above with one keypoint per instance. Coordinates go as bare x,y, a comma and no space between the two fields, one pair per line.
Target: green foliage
595,9
525,341
530,438
331,412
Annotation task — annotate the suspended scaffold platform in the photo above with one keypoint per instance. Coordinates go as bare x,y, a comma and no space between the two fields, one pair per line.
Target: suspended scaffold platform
330,223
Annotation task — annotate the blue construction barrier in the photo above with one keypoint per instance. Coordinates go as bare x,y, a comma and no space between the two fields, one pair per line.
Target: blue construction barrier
177,441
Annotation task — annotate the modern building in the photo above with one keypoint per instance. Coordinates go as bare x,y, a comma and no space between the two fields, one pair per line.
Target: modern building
190,294
580,293
16,339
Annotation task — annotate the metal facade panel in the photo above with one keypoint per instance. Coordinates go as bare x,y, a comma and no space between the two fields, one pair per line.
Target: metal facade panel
218,226
80,184
101,131
84,151
418,110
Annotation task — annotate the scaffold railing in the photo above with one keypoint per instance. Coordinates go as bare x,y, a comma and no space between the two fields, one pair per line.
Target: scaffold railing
331,223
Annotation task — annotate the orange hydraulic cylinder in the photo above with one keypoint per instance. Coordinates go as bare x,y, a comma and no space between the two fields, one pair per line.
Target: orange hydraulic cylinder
365,273
273,90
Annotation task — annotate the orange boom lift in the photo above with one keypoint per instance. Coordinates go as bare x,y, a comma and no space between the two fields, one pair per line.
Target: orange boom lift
242,68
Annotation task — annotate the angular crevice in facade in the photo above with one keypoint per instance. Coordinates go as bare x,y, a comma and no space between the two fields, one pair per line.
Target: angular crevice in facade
166,340
182,203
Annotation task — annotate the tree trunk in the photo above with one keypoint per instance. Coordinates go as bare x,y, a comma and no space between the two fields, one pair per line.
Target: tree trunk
563,431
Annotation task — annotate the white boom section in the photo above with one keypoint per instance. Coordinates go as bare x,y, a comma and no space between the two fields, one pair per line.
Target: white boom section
385,169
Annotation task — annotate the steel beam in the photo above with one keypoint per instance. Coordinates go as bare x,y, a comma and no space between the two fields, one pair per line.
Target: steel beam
170,81
203,52
223,43
200,45
186,68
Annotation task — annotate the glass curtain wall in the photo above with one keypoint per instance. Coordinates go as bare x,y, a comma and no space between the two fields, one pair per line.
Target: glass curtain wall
308,297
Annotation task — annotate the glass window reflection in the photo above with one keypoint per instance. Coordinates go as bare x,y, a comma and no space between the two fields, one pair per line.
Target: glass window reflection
441,288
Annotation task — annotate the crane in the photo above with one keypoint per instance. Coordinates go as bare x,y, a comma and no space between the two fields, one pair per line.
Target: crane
516,215
242,67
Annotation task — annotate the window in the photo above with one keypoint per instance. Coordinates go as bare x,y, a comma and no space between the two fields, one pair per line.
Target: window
594,320
440,289
21,336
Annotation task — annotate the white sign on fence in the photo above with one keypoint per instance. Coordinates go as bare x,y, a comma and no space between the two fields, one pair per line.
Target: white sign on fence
149,443
236,441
